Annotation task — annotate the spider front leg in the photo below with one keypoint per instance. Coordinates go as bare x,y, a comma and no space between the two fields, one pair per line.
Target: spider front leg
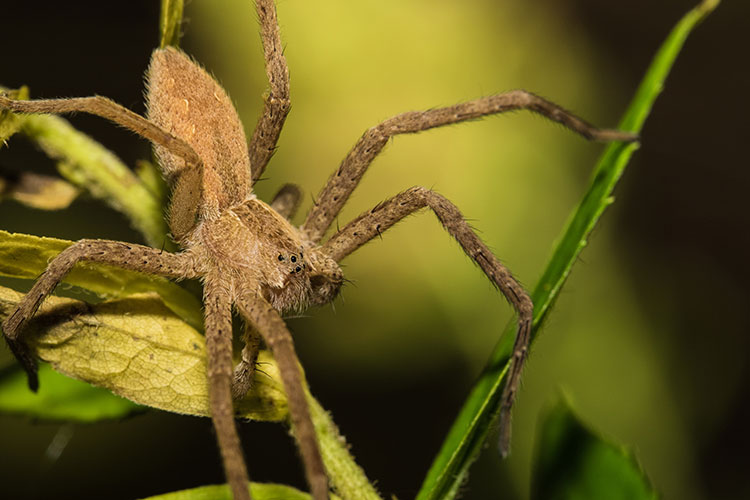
116,253
277,102
372,223
271,326
185,197
106,108
218,322
342,183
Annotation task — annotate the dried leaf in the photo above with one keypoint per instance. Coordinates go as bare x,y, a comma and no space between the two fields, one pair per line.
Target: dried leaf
37,191
138,349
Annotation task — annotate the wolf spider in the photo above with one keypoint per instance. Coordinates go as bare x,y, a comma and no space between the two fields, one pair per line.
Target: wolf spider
245,251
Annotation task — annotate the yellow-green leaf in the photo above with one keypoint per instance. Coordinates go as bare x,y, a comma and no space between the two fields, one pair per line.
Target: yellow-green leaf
138,349
26,256
10,123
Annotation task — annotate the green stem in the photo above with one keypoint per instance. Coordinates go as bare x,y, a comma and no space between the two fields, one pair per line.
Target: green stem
169,23
347,478
86,163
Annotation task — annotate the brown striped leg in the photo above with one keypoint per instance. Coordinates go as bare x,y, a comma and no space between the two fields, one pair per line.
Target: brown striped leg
271,326
341,184
218,321
106,108
189,175
277,103
373,223
245,369
116,253
287,200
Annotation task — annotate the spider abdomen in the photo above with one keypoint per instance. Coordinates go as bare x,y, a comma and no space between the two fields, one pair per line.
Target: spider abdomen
185,101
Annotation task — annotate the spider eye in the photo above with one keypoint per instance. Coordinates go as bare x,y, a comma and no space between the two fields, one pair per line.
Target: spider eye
294,259
298,269
300,255
281,257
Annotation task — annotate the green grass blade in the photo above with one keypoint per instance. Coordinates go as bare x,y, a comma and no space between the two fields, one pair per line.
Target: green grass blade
169,23
470,429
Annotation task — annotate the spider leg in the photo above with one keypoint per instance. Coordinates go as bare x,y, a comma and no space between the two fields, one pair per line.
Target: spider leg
277,103
373,223
339,187
271,326
245,369
124,255
287,200
106,108
218,321
185,201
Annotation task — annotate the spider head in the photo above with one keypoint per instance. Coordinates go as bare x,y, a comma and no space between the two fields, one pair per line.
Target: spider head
309,278
288,284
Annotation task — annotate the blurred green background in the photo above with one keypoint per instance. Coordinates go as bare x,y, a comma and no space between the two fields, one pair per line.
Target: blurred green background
649,338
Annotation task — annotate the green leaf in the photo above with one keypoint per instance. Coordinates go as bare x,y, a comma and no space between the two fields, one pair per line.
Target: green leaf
260,491
572,462
89,165
138,349
60,398
26,256
469,431
169,22
10,123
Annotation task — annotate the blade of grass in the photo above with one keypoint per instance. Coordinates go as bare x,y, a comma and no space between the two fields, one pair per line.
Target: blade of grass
469,431
169,22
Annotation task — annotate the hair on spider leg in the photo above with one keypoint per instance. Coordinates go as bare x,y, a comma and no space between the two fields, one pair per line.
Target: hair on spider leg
258,370
297,316
347,281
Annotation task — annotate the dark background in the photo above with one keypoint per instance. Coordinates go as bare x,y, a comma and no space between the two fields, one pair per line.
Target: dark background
679,229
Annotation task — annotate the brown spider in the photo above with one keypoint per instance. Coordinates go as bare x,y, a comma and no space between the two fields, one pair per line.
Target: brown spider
245,251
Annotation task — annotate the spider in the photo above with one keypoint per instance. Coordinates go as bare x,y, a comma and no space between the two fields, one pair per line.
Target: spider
246,252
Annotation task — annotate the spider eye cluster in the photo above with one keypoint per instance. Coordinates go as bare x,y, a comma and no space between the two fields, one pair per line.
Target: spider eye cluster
297,262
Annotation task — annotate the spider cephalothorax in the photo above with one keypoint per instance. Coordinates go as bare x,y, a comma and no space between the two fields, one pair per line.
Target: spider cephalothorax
246,252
